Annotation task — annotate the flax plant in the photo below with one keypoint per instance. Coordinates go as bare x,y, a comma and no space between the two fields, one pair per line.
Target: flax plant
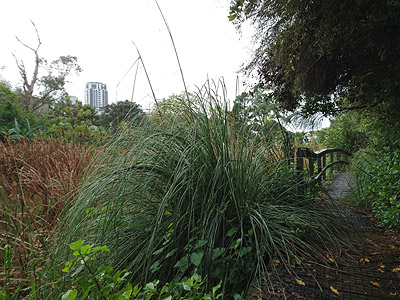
201,193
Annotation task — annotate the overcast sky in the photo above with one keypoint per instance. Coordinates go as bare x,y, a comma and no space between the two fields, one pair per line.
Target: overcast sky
100,34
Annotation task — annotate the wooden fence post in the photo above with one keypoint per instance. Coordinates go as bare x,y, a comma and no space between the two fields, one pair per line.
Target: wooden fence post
299,160
319,164
311,166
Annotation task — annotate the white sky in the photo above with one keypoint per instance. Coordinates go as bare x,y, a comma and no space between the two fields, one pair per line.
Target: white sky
100,32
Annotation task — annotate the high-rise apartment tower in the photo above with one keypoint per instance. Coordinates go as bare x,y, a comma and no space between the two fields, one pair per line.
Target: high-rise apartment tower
96,94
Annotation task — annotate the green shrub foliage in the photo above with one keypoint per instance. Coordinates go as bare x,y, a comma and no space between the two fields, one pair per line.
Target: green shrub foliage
379,183
87,282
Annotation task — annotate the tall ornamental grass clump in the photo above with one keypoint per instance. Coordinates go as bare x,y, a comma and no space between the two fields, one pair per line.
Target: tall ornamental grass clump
200,193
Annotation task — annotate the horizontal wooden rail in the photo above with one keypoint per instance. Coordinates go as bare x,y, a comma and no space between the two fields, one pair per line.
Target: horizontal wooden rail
337,157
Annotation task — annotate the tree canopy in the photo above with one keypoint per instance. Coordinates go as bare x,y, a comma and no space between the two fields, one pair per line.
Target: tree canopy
325,55
126,110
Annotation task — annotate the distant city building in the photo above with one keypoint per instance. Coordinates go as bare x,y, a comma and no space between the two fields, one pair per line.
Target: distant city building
96,94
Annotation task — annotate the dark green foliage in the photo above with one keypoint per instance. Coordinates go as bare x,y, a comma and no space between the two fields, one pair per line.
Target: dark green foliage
6,94
14,121
382,128
309,51
258,115
346,132
74,122
91,283
115,113
378,181
106,283
257,112
9,111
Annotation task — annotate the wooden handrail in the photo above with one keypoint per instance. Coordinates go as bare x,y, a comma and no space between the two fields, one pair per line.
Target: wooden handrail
322,173
330,150
320,158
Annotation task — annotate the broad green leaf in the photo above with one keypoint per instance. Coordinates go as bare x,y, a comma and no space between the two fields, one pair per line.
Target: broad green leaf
151,286
217,253
196,257
201,243
127,291
182,262
215,288
155,266
117,277
70,295
231,232
172,252
87,291
101,248
86,249
158,251
105,270
107,289
76,246
68,265
136,290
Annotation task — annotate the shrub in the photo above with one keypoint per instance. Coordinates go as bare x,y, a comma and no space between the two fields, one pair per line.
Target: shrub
345,132
378,179
107,283
200,194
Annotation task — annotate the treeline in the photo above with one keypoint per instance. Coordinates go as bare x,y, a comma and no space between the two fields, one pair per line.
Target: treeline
64,119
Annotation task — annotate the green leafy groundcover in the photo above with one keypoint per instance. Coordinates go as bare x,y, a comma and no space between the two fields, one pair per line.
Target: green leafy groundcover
107,283
203,195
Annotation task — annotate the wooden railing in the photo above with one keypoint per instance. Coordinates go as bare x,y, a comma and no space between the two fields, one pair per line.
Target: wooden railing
337,157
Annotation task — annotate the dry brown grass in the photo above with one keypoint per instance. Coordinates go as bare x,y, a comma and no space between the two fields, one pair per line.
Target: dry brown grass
41,173
38,179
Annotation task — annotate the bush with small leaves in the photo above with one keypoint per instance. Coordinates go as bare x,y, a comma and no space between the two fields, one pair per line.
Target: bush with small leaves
106,283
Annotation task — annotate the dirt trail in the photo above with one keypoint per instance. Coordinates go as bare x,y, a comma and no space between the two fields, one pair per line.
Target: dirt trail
370,271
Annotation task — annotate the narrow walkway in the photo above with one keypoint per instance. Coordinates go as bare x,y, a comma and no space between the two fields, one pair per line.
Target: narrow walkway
366,272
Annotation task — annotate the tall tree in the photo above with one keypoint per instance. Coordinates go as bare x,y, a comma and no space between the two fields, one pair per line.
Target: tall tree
38,91
115,113
326,55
